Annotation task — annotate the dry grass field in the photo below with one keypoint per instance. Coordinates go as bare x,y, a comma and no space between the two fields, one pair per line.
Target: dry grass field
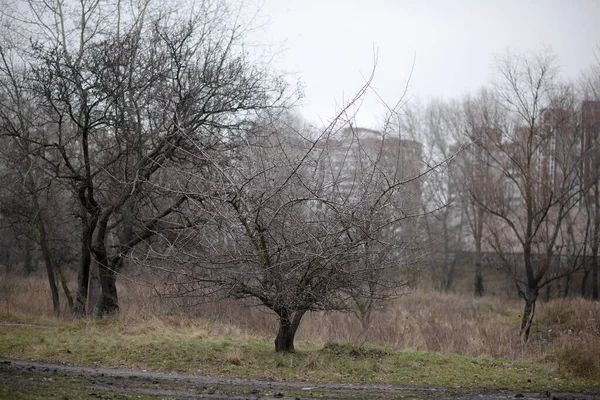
565,338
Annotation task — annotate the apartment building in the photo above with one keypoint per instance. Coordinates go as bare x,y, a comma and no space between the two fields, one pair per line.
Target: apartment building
360,160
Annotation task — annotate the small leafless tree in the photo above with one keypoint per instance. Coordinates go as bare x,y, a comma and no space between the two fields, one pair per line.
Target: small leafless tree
300,222
538,157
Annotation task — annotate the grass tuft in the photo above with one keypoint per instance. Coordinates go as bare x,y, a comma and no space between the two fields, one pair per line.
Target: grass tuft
578,361
314,361
234,356
354,351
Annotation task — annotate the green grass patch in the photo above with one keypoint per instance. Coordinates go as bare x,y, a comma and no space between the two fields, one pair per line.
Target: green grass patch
194,347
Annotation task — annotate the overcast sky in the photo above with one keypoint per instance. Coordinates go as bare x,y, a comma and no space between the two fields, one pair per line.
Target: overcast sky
330,45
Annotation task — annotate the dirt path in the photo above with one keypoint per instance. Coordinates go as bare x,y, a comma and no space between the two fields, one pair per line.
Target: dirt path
67,382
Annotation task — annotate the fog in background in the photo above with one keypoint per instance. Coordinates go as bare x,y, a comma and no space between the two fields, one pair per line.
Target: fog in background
330,45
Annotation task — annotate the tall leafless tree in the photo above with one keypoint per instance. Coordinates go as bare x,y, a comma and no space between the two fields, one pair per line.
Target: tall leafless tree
590,82
444,229
125,91
479,184
29,199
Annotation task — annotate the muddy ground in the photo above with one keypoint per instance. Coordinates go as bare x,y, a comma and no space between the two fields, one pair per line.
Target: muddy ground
36,380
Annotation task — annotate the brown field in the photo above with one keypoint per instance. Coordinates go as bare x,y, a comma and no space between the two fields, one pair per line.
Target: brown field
566,331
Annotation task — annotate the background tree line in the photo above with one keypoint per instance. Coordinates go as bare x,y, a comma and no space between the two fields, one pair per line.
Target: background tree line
522,179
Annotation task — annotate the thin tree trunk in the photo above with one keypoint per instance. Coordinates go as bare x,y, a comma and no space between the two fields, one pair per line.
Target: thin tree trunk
567,285
531,292
43,237
28,259
65,286
448,265
478,271
288,325
594,266
595,242
528,314
49,266
8,260
595,276
586,274
478,279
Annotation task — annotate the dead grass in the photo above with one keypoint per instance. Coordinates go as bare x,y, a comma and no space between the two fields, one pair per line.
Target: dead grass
234,356
579,360
28,295
429,321
571,331
314,361
566,332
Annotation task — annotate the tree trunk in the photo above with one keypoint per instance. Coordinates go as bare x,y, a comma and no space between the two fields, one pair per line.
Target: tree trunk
478,271
478,280
595,277
65,286
82,285
49,266
567,285
584,278
528,313
284,342
83,278
596,241
448,264
28,264
93,289
7,264
108,303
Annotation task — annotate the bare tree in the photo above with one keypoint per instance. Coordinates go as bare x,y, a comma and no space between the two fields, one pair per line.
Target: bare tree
300,222
29,199
538,157
444,229
572,250
479,184
590,82
127,90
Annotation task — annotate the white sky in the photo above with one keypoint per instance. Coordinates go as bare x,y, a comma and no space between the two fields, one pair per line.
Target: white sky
329,45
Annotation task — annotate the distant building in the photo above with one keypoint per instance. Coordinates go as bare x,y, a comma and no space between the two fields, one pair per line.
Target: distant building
357,163
561,147
357,157
590,124
553,160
